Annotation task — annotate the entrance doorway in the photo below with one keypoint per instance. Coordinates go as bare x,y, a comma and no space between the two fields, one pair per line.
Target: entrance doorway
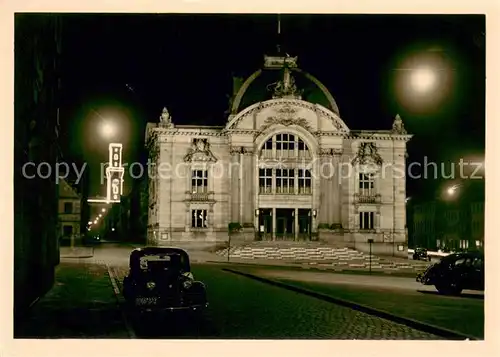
285,224
265,228
304,224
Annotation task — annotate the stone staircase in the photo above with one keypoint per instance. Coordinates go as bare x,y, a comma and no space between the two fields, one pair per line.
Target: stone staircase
322,256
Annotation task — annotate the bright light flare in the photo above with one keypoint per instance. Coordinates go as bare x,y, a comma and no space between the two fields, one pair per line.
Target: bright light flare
423,80
108,130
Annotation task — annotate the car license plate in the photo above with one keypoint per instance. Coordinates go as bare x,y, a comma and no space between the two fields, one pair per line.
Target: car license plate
146,301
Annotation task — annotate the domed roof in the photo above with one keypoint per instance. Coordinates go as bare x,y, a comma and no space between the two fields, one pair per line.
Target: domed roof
260,86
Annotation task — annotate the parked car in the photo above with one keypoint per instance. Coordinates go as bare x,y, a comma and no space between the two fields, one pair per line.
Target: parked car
160,280
455,272
421,254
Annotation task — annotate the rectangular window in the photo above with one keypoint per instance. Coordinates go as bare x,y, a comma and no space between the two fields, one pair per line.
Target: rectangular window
304,182
265,181
285,145
464,244
199,181
366,220
199,218
68,207
267,149
366,184
285,181
303,149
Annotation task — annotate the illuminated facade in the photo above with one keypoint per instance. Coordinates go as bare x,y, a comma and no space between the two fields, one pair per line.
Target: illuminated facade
114,173
114,176
284,167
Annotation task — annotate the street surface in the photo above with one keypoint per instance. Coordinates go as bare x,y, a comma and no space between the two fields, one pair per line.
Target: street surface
240,308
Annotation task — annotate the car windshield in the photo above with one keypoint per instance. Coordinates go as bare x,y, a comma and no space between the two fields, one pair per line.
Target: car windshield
160,262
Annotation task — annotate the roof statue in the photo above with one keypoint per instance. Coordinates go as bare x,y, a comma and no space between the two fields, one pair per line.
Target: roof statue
286,87
165,119
398,126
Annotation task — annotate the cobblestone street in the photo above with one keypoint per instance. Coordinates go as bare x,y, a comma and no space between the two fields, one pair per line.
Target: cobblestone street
242,308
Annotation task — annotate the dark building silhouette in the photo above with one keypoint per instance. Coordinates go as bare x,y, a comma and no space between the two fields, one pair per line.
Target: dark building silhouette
455,223
36,124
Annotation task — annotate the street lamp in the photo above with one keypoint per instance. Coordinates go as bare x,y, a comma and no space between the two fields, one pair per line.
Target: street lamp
423,79
104,210
108,130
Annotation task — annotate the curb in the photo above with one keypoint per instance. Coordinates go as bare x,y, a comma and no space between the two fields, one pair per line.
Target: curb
329,270
417,325
119,300
76,256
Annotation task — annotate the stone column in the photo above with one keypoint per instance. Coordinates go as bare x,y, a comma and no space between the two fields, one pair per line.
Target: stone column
248,185
188,218
241,181
325,198
336,189
296,224
235,185
273,230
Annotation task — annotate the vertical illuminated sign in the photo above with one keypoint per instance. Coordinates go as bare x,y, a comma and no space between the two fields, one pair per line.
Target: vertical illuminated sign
114,173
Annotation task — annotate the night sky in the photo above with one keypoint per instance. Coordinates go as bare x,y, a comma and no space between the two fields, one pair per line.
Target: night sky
131,66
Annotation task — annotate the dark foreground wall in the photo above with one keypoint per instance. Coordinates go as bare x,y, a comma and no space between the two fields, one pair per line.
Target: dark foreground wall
36,251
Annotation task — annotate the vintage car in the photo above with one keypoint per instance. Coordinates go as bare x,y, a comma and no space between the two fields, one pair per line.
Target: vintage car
421,254
455,272
160,280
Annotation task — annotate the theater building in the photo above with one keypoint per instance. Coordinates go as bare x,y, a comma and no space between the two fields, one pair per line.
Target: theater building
285,167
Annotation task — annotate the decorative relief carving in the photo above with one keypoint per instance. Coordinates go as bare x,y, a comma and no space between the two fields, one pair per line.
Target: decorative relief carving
295,103
152,146
237,150
200,151
330,152
367,153
398,126
286,116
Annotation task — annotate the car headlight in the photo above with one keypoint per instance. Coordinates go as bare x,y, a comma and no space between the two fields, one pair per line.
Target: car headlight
150,284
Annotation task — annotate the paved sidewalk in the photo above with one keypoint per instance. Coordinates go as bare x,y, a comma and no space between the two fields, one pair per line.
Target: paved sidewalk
81,304
76,252
308,266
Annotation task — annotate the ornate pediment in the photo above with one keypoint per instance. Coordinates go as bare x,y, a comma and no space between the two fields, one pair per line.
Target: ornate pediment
200,151
367,154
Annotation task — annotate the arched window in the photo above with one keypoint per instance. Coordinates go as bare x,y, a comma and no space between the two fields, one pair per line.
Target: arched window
285,146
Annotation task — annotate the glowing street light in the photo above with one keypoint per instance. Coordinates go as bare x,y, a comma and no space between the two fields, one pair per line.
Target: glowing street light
451,191
104,210
107,129
423,79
